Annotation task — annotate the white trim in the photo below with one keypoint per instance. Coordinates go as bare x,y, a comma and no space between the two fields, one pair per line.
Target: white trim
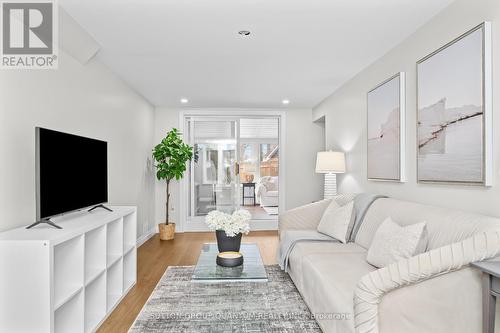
320,118
147,236
183,184
282,165
191,170
402,127
237,162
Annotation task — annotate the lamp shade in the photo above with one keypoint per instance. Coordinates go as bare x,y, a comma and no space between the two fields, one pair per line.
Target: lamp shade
330,162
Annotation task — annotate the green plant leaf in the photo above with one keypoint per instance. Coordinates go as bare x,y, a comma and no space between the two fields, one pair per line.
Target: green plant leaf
171,156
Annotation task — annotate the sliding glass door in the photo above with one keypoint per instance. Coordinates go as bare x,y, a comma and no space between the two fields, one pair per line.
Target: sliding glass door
237,167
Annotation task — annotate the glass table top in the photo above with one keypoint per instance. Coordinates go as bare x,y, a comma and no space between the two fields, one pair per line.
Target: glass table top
252,270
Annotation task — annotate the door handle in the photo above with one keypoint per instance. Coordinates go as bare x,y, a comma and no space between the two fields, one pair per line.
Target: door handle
236,168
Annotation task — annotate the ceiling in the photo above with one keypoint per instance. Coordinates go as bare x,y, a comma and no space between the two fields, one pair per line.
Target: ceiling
300,50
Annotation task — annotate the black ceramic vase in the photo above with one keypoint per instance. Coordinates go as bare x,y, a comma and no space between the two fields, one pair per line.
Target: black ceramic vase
228,244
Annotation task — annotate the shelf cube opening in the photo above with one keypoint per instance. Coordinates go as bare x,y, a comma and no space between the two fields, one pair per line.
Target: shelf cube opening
114,284
129,269
129,232
68,269
95,303
95,253
114,240
69,317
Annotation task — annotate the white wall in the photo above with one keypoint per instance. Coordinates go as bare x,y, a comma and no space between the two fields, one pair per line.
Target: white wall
303,139
88,100
345,111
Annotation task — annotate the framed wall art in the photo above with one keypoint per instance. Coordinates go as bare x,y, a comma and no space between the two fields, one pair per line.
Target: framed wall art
386,130
454,125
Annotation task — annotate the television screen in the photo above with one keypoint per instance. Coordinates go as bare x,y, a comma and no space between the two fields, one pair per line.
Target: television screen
72,172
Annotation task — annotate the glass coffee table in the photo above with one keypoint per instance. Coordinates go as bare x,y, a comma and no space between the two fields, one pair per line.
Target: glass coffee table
252,270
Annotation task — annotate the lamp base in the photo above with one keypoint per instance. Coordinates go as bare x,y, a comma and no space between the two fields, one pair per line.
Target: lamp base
330,185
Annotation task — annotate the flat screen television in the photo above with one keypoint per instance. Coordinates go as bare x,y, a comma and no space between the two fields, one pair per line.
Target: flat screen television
71,173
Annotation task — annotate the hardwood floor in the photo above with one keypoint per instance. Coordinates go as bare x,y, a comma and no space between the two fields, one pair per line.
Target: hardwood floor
153,258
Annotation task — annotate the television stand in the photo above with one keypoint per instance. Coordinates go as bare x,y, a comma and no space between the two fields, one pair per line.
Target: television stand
68,280
100,206
46,221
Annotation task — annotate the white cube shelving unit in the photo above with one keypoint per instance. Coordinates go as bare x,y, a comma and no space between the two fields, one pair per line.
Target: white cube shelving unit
67,280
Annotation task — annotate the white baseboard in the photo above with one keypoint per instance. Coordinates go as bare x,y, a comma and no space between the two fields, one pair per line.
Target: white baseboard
144,238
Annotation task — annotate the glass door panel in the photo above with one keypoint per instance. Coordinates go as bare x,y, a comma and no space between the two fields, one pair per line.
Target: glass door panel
214,178
259,166
269,157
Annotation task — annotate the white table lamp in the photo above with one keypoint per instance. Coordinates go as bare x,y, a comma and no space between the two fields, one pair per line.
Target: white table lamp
330,163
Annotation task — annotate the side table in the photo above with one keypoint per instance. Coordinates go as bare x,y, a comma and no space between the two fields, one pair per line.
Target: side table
491,290
248,193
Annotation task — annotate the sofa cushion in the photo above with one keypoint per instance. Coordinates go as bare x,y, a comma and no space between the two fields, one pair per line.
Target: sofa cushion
444,226
303,250
271,194
270,183
393,242
337,220
328,287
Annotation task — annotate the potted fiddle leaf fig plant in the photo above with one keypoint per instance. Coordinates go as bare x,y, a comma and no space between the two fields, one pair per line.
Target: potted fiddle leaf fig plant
171,156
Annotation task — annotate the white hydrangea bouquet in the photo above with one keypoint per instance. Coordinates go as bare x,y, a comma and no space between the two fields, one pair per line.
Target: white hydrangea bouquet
232,225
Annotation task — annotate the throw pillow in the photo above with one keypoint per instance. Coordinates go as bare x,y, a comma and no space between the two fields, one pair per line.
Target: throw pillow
393,242
336,220
343,199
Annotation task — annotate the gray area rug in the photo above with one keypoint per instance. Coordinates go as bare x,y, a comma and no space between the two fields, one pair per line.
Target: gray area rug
178,305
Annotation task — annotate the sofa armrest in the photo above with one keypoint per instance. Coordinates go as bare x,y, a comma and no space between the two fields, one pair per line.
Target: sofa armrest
304,217
373,286
260,190
446,303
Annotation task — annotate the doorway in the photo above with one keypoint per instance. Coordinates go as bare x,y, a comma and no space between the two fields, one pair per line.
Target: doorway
238,167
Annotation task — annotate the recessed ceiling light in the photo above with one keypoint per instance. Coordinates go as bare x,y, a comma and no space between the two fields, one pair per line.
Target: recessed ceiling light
244,32
184,100
285,102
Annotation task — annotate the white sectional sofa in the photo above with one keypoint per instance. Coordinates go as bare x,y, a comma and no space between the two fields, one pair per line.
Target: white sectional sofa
436,291
268,191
